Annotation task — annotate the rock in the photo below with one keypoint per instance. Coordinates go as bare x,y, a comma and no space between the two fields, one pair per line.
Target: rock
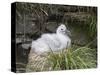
51,26
22,51
26,46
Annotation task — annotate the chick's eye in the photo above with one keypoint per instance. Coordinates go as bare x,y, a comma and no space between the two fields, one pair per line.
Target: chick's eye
61,29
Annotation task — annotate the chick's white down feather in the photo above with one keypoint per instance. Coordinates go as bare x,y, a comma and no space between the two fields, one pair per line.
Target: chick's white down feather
55,41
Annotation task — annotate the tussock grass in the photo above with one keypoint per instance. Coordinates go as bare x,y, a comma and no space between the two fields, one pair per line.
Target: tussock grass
80,58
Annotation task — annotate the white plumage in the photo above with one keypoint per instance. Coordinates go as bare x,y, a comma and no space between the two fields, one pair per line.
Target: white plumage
55,41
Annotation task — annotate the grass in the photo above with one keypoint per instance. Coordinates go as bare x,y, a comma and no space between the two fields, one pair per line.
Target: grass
91,26
79,58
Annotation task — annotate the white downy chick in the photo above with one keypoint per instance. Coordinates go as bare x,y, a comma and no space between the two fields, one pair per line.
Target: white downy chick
55,41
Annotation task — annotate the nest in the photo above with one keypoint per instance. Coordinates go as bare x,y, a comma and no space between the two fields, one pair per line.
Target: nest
37,63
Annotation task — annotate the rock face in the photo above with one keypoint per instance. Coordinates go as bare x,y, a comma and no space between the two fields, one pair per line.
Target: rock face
74,21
